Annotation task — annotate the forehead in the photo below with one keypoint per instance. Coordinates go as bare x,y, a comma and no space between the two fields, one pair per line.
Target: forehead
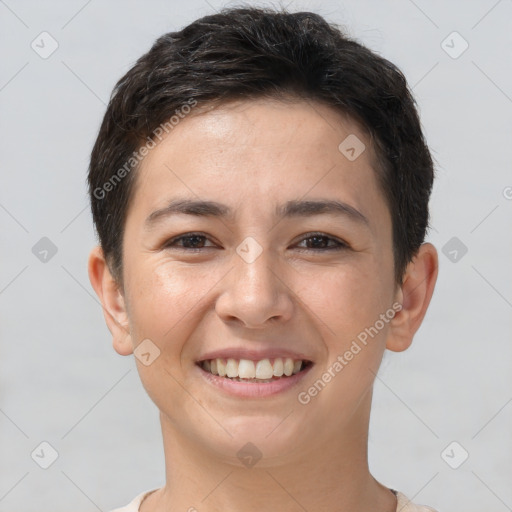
266,124
260,149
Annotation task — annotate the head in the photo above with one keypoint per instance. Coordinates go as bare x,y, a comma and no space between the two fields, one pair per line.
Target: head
311,148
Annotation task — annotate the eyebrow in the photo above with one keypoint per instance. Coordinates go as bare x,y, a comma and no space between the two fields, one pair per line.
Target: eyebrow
290,209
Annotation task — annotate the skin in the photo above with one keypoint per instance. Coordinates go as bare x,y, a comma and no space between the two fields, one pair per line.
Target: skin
252,156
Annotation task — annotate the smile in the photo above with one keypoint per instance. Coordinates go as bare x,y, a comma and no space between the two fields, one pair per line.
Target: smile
254,378
247,370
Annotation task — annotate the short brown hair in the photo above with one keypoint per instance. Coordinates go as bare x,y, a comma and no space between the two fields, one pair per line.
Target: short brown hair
246,53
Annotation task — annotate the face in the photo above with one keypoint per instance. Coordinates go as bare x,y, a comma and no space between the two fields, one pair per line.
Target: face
266,277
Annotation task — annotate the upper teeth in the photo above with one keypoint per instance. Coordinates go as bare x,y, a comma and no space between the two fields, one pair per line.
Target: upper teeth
247,369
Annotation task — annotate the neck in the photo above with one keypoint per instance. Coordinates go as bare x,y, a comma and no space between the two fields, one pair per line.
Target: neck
332,474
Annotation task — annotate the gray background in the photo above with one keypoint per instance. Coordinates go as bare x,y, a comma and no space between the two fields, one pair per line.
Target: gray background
61,381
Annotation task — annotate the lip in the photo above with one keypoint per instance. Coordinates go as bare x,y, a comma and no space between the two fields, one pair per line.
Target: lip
253,389
253,354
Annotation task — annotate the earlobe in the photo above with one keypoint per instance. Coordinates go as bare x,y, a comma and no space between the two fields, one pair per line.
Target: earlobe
414,295
112,300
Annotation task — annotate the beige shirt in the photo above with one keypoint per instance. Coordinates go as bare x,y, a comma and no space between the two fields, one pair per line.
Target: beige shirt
404,504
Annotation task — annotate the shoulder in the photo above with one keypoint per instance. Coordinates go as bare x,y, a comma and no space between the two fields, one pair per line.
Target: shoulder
406,505
134,505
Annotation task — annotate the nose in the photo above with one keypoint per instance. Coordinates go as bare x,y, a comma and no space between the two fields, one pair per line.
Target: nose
255,292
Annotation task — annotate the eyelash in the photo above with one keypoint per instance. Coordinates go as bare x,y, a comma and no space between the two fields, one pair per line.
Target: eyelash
340,244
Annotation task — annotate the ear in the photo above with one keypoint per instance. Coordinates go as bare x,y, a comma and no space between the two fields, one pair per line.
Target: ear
414,294
112,300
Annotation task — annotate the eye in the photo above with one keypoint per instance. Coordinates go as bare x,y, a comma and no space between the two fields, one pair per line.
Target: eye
192,242
195,242
320,241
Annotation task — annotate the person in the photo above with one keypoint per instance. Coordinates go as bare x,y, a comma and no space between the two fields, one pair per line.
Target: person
260,186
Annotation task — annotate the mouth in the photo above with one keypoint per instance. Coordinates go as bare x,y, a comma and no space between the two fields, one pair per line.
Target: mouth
247,370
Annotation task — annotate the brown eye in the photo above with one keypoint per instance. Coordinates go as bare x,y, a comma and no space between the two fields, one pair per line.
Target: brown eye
189,241
321,241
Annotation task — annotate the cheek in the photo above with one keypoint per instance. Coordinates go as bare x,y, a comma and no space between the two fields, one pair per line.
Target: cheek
352,302
161,297
347,303
165,304
346,299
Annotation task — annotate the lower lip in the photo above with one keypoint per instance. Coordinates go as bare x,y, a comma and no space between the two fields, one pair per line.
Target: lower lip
253,389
